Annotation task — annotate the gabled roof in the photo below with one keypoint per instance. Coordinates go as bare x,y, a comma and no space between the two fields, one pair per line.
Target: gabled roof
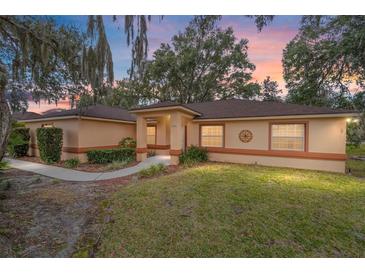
94,111
237,108
28,115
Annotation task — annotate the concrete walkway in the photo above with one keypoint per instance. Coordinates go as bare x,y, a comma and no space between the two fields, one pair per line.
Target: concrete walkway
82,176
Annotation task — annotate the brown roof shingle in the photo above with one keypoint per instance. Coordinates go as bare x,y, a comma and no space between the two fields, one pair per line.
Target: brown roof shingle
237,108
28,115
95,111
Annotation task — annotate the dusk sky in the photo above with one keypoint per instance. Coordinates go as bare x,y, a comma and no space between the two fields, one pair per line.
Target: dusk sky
265,47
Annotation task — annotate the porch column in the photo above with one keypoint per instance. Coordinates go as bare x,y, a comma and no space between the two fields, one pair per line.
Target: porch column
141,138
176,137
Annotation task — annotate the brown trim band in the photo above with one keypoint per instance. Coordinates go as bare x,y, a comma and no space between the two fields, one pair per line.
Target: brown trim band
278,153
175,152
163,147
141,150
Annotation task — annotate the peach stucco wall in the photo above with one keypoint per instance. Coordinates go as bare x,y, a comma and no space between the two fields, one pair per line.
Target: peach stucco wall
80,133
326,135
100,133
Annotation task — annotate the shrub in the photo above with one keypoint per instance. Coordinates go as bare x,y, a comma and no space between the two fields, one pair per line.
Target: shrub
49,140
153,170
72,163
128,142
118,164
105,156
193,155
151,153
354,134
4,165
18,144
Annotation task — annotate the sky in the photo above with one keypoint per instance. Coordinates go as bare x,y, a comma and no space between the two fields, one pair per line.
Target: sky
265,47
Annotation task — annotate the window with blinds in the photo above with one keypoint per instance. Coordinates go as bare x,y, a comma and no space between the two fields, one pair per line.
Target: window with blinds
288,137
151,135
211,136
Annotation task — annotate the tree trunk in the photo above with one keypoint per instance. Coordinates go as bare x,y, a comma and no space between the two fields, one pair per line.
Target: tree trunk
5,114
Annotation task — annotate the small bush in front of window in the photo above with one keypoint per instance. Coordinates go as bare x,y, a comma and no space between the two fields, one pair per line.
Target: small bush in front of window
193,155
49,141
72,163
105,156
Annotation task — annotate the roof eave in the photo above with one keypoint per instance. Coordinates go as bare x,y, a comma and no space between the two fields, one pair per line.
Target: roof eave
176,107
83,117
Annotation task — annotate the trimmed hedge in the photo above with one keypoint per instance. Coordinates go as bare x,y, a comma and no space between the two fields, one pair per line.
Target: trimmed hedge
193,155
49,140
18,144
104,156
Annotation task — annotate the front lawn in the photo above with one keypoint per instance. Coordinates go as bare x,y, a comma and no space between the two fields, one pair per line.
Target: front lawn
227,210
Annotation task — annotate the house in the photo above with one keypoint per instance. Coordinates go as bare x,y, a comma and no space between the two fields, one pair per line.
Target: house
242,131
238,131
94,127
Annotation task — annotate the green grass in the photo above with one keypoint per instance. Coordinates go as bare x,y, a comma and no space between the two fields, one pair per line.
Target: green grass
227,210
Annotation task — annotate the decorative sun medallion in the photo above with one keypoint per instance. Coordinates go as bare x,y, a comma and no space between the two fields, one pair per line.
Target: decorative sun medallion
245,136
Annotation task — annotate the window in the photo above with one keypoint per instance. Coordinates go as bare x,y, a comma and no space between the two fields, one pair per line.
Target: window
151,135
211,136
288,137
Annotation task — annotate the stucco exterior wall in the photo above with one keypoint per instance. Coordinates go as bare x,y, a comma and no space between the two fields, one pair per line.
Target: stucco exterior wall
102,133
325,135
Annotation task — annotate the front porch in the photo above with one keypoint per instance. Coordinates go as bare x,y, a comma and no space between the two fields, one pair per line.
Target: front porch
162,131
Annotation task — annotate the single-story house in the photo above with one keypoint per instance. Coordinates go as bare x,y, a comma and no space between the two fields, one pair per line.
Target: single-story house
94,127
238,131
243,131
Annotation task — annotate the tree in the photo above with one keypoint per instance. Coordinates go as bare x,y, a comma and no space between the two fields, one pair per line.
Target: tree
270,90
203,63
325,60
38,57
122,94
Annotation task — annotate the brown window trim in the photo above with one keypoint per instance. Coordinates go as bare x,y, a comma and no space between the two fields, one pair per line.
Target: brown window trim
213,124
155,126
306,133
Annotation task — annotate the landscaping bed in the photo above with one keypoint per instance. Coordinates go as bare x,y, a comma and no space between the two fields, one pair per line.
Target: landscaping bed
229,210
